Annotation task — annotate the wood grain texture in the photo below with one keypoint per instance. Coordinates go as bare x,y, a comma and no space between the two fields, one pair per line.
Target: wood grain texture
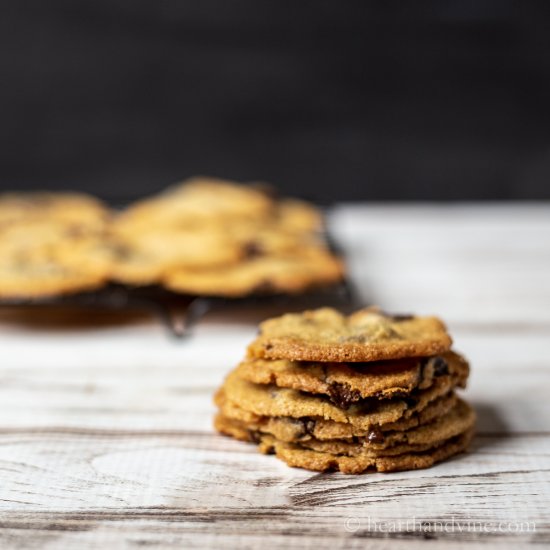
106,438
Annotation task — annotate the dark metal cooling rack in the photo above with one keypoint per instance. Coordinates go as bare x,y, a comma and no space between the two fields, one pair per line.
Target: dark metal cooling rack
178,313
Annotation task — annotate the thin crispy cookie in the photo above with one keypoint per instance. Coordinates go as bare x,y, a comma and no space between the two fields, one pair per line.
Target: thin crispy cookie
366,335
297,456
346,383
271,274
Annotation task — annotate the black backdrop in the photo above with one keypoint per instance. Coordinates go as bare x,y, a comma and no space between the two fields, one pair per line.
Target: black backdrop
330,100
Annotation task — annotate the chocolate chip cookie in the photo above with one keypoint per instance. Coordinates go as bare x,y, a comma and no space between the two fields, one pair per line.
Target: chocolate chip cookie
366,335
289,273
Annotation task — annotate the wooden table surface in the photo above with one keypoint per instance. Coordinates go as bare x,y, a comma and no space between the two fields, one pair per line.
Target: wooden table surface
105,428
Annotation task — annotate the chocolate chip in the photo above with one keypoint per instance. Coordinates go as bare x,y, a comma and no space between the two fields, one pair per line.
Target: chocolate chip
298,426
441,367
304,427
342,395
375,435
254,436
252,250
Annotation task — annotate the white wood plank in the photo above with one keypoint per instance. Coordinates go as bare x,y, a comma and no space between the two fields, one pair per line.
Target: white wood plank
466,263
198,472
212,479
137,533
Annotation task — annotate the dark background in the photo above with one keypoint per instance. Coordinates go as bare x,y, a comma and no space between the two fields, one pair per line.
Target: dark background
331,100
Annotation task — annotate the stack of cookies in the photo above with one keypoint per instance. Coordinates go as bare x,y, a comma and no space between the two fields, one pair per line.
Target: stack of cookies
365,392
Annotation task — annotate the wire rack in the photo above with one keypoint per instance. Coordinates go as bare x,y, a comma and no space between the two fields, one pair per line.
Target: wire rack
177,312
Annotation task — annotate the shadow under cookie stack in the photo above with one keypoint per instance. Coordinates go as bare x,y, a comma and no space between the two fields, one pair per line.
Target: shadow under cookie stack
365,392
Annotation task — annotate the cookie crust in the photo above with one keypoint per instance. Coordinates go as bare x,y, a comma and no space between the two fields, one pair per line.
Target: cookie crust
346,383
296,456
366,335
271,274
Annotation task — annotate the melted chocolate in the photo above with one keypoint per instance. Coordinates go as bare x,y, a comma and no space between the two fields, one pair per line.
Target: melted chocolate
441,367
375,435
342,395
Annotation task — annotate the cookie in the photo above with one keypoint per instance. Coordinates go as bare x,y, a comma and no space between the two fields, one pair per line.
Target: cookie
40,276
272,274
296,455
272,401
291,429
43,280
51,244
298,216
346,383
293,226
74,209
197,201
43,258
366,335
145,260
